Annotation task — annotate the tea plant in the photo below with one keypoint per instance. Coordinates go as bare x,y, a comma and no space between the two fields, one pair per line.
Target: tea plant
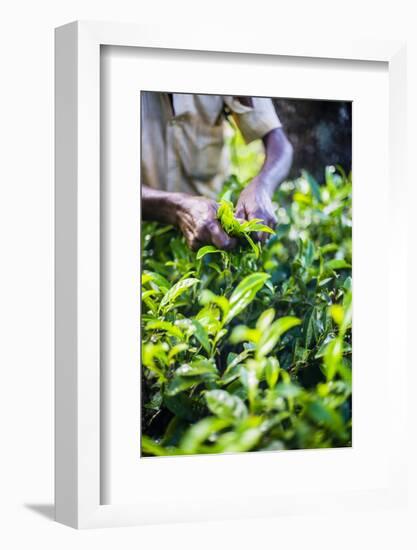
250,350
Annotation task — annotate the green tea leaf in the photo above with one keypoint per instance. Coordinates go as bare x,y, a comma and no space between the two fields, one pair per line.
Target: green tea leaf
156,278
255,224
166,327
287,386
196,368
332,357
337,264
201,335
209,249
182,406
152,448
224,405
337,313
245,292
288,390
272,372
208,297
200,431
234,360
265,319
240,441
175,292
242,333
271,336
254,247
225,214
175,350
180,383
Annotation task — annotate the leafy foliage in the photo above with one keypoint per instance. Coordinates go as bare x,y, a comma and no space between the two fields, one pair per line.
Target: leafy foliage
250,350
240,228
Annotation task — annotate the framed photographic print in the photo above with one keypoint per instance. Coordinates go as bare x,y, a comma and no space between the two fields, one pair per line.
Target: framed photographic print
221,346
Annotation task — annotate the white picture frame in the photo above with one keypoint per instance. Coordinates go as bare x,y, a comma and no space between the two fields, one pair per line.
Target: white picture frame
77,242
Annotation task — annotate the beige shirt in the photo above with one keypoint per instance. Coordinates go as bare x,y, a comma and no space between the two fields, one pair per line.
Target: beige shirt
182,143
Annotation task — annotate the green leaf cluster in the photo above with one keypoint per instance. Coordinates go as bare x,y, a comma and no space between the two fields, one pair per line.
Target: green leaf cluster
239,228
250,350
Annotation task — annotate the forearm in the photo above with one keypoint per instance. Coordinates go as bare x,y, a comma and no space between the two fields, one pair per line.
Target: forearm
278,159
195,216
160,206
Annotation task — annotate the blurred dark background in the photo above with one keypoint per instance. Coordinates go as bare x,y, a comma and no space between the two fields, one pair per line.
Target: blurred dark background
320,132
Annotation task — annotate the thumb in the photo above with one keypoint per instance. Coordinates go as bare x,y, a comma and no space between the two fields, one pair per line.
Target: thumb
240,212
219,237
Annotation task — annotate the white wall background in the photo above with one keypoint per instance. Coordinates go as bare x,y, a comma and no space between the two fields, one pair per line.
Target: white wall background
26,267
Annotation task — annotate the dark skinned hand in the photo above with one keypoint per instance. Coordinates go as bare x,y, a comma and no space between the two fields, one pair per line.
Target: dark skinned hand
196,217
255,202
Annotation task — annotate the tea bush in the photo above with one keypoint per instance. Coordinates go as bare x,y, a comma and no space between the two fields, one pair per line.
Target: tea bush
250,350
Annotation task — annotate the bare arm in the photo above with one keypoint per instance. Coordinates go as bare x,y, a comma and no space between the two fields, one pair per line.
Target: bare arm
194,215
255,199
278,159
160,206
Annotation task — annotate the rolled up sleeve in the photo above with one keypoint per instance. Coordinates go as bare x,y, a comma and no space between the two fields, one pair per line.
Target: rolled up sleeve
254,121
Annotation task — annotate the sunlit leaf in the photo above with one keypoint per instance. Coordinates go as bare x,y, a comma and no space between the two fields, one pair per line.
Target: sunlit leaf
208,297
209,249
175,292
203,366
152,448
181,383
175,350
200,431
224,405
337,264
272,371
265,319
271,336
288,389
166,327
156,278
233,366
337,313
201,335
245,292
284,389
332,357
242,333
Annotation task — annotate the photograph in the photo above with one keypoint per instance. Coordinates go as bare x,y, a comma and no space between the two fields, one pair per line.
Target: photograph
208,267
246,273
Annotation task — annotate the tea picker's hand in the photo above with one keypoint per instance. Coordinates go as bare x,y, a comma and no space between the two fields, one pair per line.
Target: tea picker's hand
196,217
255,202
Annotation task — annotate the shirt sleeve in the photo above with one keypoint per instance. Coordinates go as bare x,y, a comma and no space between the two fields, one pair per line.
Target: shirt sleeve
254,121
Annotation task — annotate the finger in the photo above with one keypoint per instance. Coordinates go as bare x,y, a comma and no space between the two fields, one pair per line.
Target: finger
219,238
193,242
240,212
